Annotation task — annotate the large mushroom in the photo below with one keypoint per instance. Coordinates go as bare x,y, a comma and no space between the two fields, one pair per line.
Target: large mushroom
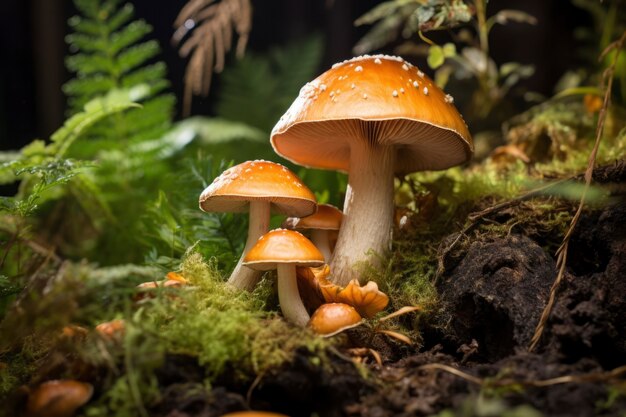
373,117
257,187
283,250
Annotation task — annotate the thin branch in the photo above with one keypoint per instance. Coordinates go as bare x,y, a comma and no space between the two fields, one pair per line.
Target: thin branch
538,383
563,249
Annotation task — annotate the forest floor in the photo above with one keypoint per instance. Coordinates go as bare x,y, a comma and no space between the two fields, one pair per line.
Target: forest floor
471,356
494,291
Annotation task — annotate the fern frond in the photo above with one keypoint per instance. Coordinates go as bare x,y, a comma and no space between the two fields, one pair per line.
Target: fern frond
43,167
266,85
110,54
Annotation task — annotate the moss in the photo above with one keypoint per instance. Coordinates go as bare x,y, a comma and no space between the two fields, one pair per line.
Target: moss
230,334
222,327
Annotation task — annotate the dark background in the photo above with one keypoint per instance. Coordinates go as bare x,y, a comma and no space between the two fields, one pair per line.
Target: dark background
32,48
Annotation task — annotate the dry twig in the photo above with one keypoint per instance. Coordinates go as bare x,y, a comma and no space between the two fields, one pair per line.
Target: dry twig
212,25
562,251
565,379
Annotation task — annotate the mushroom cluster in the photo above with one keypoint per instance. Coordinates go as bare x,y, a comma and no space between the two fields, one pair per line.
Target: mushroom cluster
373,117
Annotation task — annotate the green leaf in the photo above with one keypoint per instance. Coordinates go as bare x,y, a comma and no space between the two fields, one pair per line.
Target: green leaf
449,50
435,57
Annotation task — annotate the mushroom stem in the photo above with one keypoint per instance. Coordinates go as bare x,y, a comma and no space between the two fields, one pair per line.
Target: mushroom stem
243,277
320,239
368,211
288,296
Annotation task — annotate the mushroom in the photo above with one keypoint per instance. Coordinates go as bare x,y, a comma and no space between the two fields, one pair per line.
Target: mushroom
257,187
367,299
320,223
112,330
333,318
373,117
58,398
284,249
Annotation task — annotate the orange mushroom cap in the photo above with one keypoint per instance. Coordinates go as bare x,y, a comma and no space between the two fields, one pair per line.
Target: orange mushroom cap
258,180
327,217
282,246
367,300
58,398
330,319
378,98
112,329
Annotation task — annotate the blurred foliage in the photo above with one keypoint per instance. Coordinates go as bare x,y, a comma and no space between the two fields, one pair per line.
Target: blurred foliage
609,21
42,166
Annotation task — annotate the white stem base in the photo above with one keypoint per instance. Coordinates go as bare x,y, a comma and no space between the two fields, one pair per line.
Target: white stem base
368,212
242,277
288,296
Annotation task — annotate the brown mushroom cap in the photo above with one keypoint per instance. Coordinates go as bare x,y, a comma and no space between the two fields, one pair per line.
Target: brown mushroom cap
327,217
59,398
379,98
282,246
330,319
258,180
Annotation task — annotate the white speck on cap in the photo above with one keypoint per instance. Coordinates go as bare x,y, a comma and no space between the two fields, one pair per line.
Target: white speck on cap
415,84
405,67
377,61
352,86
358,68
365,96
402,90
448,98
323,87
420,73
332,93
394,93
425,91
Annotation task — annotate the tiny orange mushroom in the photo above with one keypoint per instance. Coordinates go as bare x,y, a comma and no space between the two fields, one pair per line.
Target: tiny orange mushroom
333,318
58,398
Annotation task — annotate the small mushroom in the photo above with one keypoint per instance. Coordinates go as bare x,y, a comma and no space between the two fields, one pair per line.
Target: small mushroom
327,218
333,318
58,398
283,250
367,300
373,134
257,187
112,330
